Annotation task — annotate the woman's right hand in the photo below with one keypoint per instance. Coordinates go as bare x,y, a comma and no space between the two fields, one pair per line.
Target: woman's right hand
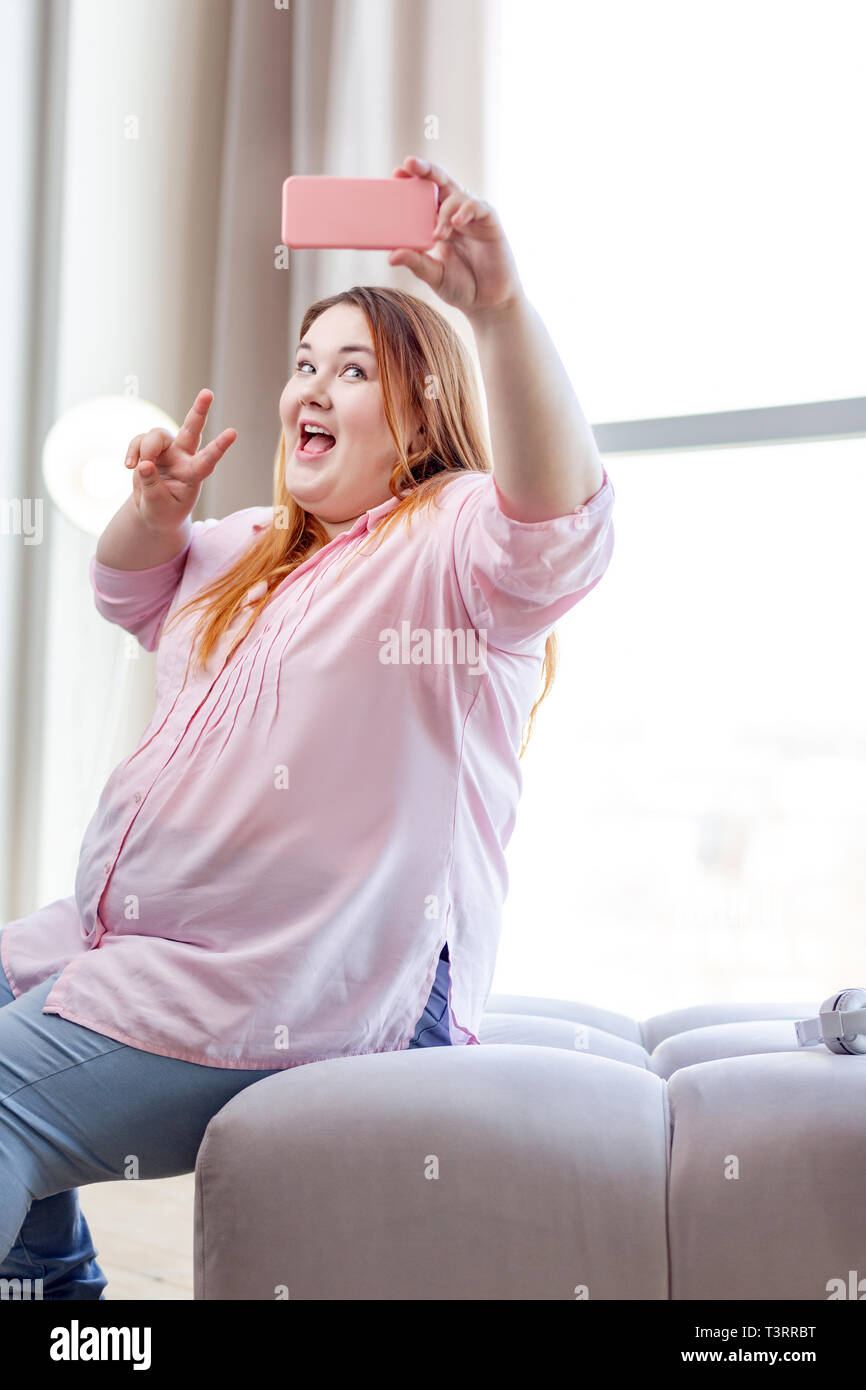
169,469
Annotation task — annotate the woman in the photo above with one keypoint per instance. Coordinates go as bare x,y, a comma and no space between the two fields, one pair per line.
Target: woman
308,842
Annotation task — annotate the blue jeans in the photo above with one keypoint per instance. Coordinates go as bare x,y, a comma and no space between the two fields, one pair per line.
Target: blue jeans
78,1107
432,1029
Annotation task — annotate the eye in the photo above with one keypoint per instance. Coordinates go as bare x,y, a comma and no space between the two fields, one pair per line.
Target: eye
350,366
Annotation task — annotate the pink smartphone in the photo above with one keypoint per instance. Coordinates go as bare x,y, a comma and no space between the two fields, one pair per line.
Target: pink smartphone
364,214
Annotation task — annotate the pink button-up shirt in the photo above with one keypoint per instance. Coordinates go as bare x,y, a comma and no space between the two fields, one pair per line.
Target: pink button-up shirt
270,877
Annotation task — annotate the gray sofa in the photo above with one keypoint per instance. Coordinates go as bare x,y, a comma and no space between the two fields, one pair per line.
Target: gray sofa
577,1153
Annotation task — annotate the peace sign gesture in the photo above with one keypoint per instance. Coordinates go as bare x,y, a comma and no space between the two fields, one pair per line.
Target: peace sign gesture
169,469
471,265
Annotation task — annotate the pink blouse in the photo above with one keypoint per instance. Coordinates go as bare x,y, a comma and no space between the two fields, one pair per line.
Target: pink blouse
270,877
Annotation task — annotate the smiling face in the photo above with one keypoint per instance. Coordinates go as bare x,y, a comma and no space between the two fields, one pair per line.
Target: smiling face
340,390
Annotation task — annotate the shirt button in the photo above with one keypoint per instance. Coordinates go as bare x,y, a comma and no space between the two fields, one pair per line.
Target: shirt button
106,868
138,796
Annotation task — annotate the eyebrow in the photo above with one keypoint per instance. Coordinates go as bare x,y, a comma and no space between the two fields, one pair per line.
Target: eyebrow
352,347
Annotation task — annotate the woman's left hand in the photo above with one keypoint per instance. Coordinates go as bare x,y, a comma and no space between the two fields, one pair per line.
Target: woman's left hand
471,265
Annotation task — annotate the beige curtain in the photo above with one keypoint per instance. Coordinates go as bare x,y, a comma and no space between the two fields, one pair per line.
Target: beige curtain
156,258
340,87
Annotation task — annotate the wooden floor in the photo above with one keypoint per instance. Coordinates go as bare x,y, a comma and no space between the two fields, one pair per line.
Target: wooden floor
143,1235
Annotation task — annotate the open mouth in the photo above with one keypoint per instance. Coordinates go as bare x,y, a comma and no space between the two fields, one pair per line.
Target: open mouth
314,442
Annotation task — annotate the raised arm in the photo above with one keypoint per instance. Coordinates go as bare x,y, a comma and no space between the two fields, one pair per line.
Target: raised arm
547,463
547,460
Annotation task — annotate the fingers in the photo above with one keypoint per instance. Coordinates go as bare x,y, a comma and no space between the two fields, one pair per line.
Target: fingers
207,460
423,169
444,226
133,451
427,268
190,432
456,216
456,205
147,474
145,449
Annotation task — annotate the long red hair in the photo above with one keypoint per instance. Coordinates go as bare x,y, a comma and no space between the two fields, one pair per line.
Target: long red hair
425,370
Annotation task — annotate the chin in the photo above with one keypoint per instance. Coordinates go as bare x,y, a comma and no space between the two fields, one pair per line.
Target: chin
299,488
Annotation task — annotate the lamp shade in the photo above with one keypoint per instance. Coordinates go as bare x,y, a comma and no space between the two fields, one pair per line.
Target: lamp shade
84,452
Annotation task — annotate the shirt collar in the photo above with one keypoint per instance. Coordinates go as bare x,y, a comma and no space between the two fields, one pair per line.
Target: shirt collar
366,521
375,513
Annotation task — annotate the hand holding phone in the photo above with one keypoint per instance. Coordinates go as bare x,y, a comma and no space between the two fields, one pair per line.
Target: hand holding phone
362,214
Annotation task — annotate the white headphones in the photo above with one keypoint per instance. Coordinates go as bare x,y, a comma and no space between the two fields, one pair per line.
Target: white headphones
841,1023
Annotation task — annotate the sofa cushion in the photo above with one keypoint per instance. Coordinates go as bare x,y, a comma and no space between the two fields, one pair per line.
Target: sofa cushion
438,1173
766,1185
559,1032
655,1029
621,1025
722,1040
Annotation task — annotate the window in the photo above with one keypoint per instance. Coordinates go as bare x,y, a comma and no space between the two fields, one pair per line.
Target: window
686,217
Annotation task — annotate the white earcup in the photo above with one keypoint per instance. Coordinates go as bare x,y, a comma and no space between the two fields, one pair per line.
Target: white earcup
850,1043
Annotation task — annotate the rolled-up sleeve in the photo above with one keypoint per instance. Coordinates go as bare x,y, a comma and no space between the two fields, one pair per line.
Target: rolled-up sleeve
517,578
138,600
